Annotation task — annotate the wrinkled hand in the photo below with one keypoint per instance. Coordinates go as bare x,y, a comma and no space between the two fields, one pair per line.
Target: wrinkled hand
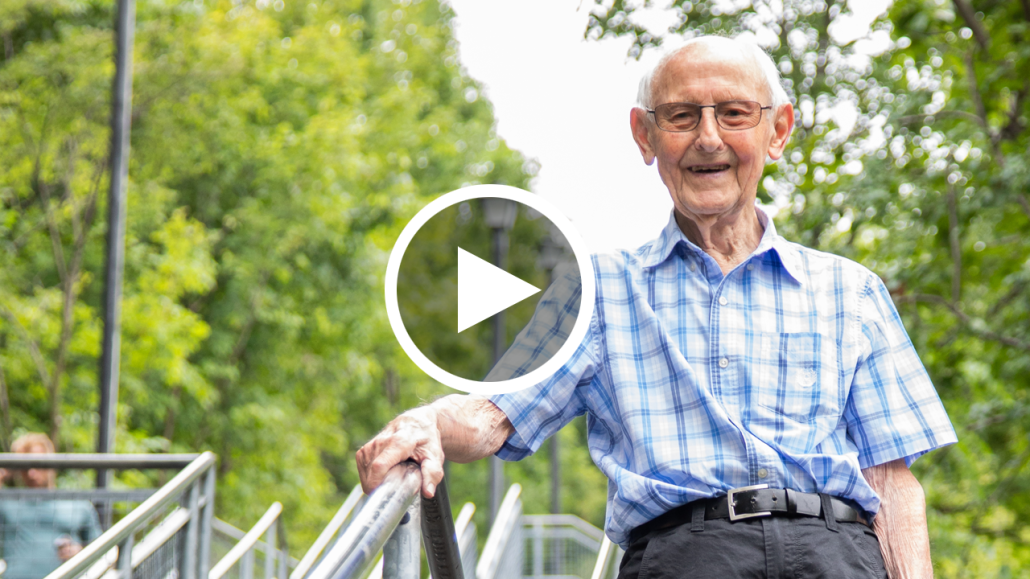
413,435
67,548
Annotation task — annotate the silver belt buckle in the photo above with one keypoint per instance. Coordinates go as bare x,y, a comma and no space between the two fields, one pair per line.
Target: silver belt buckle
730,503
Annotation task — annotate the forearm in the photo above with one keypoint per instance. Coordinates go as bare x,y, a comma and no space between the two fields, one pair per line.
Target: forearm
471,427
900,524
457,428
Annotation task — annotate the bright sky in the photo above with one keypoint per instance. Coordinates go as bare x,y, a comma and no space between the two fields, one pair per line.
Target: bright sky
565,101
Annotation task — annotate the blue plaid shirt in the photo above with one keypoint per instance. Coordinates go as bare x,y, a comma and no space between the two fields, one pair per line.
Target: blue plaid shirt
793,370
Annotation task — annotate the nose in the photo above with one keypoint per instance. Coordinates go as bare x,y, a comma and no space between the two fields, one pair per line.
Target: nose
708,138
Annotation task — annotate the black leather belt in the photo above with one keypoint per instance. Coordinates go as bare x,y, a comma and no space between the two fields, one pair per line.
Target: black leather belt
750,502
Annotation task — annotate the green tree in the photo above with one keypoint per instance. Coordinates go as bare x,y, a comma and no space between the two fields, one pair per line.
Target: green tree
277,150
910,156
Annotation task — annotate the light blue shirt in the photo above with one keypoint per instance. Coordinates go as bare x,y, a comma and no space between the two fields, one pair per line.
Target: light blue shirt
793,370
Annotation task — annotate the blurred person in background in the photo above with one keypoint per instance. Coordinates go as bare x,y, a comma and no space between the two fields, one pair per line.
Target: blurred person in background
37,535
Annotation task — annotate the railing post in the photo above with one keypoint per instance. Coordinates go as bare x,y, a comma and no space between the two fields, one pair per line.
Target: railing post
125,558
247,565
189,557
402,555
281,552
270,552
538,551
207,513
440,535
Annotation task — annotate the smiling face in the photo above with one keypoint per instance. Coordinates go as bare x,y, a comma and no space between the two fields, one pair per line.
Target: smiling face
710,171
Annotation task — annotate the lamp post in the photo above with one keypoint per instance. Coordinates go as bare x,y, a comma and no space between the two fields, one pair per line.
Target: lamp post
121,120
550,255
500,218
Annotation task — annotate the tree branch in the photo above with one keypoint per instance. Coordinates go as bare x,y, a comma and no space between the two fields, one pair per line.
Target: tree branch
37,357
956,247
966,320
1013,293
9,45
1014,125
967,13
55,236
981,110
5,411
1023,201
939,114
974,90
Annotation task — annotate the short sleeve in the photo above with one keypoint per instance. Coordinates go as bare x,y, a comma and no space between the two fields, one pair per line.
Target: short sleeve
893,410
541,410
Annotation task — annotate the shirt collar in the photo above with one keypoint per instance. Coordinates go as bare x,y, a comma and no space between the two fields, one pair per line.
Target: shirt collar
660,249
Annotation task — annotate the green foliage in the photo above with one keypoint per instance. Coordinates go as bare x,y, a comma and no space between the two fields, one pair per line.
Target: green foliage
277,150
912,159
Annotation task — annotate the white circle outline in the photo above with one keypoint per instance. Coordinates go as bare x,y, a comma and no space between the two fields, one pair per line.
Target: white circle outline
583,260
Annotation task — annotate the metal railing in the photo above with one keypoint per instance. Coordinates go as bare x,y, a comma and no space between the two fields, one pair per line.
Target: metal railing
181,540
560,546
243,552
225,536
465,531
393,519
607,564
502,554
331,531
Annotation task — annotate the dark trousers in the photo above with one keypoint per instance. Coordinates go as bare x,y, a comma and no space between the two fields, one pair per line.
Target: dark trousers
772,547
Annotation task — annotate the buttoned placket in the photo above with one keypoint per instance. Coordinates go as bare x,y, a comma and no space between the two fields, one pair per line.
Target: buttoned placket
724,371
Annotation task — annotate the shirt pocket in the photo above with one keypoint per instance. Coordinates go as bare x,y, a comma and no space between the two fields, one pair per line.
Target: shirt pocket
798,375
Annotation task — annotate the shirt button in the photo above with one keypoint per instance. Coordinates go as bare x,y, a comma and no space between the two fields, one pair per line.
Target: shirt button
751,267
722,300
762,473
723,363
693,267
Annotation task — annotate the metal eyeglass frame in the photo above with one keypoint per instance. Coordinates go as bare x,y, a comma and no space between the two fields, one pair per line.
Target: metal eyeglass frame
701,113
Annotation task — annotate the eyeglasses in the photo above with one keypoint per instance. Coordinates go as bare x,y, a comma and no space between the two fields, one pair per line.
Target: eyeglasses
731,115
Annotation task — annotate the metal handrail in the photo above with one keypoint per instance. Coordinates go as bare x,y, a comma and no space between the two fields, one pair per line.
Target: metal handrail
123,530
603,555
440,536
566,520
232,533
21,461
464,518
309,558
392,519
372,526
491,556
247,542
164,531
95,495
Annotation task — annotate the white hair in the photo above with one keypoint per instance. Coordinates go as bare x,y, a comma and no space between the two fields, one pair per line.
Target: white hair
763,62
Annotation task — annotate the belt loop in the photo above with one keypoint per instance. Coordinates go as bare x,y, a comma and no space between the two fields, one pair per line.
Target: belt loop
697,517
828,516
792,501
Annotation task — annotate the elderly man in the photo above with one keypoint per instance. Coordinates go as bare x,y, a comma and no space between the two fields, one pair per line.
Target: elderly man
755,404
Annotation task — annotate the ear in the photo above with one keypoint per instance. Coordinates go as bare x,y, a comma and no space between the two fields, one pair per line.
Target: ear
639,125
783,124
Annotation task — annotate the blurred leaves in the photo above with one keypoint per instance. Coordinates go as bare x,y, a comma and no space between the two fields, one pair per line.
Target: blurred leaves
277,150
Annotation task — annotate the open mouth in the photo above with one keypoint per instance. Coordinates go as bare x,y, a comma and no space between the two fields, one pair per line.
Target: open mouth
714,168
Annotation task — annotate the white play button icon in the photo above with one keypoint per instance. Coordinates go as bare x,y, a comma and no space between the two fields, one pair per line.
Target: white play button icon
485,289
